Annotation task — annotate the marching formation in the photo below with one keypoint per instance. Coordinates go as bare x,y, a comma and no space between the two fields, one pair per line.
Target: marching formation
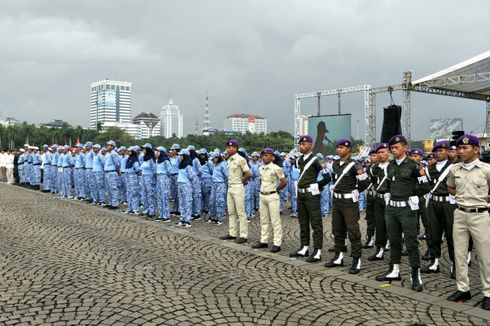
401,189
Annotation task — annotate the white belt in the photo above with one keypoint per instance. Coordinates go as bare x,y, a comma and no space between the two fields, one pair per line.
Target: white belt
381,196
371,192
235,185
395,203
304,190
343,196
440,198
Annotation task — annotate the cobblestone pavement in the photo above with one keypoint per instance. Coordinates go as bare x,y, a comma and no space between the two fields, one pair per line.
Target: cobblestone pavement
66,262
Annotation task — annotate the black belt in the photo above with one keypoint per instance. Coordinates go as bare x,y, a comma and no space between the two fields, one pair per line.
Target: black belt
110,171
472,210
35,164
88,168
80,168
46,164
268,193
173,174
66,167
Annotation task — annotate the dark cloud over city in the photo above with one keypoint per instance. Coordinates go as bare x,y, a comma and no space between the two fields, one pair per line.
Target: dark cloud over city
249,56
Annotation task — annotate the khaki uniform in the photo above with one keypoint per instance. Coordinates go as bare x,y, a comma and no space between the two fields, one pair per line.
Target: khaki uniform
269,203
235,199
471,193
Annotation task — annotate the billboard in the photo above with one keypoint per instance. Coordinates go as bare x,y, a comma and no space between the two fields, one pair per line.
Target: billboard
442,128
106,99
327,129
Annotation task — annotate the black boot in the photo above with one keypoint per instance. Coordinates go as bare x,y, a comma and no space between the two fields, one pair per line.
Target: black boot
315,256
433,267
369,243
416,280
453,271
336,261
393,274
378,255
356,266
460,296
428,255
300,252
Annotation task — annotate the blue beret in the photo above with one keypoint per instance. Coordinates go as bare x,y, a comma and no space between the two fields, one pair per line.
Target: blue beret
468,140
381,146
397,139
373,150
232,142
431,155
343,142
444,144
417,151
305,139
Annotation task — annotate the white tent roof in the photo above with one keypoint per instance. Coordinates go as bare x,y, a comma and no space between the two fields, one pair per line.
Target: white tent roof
470,76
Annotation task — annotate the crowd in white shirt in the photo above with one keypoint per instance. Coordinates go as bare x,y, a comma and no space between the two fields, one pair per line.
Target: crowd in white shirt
7,167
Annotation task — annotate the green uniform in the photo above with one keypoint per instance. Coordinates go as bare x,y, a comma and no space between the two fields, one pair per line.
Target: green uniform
405,182
441,212
309,212
370,198
380,185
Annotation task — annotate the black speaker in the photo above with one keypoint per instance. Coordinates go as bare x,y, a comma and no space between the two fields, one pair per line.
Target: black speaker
391,122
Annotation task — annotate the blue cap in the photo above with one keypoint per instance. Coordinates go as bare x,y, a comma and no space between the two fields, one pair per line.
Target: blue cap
97,146
66,147
255,154
319,155
148,145
122,148
89,143
232,142
443,144
103,149
112,143
203,151
468,140
161,149
397,139
305,139
243,150
191,148
175,146
45,145
184,151
79,145
343,142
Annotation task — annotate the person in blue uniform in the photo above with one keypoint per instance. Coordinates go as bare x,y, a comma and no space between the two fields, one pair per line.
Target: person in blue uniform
163,183
98,173
196,183
112,171
123,178
89,176
293,184
54,169
248,187
148,171
59,173
325,193
255,179
219,190
79,173
174,161
206,180
36,168
133,184
67,165
48,155
184,185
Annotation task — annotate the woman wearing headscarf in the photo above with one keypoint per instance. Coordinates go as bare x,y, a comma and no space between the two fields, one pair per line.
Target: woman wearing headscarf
163,183
133,170
184,187
248,188
218,191
196,183
148,171
206,180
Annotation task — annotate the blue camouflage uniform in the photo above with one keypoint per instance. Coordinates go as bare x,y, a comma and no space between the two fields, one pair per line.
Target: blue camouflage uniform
163,185
255,181
284,193
54,170
184,185
133,185
47,169
219,192
148,182
174,161
67,164
292,184
111,171
196,188
36,168
98,174
60,178
123,178
29,168
206,182
90,183
79,175
20,167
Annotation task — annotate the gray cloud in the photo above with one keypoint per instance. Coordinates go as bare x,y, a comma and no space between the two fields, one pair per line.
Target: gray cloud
250,56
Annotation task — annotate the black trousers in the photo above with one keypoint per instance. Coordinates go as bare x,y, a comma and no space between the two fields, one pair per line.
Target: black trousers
370,219
345,220
379,215
441,217
310,215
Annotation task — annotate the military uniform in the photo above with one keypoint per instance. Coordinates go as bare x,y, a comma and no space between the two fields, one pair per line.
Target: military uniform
270,174
405,182
309,212
471,182
370,198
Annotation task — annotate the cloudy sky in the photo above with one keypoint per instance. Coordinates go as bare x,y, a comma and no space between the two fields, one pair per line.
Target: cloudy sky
249,56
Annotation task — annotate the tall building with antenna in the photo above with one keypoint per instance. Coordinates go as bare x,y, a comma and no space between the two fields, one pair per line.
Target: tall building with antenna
206,124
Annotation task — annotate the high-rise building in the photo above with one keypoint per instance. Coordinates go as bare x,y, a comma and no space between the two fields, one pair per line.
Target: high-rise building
243,122
110,101
171,121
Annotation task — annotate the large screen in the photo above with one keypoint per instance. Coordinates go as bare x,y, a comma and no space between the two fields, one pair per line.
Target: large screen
327,129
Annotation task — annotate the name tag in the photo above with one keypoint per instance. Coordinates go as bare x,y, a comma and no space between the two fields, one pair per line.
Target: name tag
60,170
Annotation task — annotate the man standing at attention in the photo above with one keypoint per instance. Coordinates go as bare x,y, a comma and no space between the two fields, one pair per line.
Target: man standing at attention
309,193
469,182
238,174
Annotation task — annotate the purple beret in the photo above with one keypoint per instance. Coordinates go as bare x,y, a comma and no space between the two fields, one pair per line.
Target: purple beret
373,150
415,150
343,142
381,146
431,155
397,139
267,150
444,144
232,142
305,139
468,140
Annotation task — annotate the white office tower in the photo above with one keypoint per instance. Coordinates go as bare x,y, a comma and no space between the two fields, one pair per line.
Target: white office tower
171,121
110,101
